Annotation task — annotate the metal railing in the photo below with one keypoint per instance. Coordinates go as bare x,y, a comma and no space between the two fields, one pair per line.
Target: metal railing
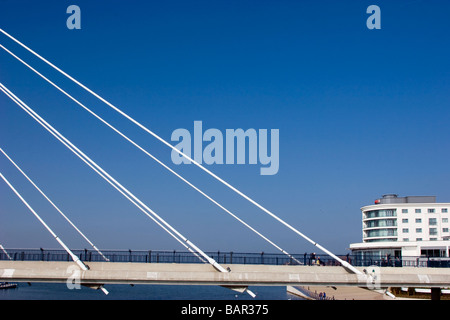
156,256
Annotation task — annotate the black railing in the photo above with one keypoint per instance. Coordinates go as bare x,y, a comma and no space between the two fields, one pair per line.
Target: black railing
154,256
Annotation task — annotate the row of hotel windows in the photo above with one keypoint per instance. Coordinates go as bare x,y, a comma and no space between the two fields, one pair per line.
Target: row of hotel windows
395,239
393,232
419,239
443,210
393,222
431,221
432,231
380,213
393,212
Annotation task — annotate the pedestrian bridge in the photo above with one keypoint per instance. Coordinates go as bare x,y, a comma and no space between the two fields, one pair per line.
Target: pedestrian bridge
225,270
100,273
242,269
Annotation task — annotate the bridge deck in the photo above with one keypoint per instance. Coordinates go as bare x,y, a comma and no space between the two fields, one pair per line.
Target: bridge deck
205,274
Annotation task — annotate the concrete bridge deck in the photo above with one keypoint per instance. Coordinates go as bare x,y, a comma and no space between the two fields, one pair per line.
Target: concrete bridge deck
204,274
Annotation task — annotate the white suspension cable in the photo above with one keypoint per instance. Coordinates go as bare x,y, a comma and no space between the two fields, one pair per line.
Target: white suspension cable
112,181
3,249
150,155
72,255
344,263
24,107
52,203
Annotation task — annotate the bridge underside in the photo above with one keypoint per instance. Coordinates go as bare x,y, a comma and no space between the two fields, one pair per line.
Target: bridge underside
204,274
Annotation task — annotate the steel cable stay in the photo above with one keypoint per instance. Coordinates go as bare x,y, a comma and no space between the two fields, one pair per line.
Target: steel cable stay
149,212
18,102
72,255
345,264
5,252
152,156
53,204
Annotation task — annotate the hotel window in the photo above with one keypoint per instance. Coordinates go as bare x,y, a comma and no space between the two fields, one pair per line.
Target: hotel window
418,210
418,239
404,210
444,210
430,210
432,221
433,231
405,230
405,220
405,239
444,220
444,229
433,253
418,220
380,213
418,230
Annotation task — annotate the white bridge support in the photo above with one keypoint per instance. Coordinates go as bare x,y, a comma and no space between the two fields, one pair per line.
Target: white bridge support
100,273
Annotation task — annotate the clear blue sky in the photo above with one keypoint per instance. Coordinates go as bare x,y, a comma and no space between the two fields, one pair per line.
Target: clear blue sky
360,113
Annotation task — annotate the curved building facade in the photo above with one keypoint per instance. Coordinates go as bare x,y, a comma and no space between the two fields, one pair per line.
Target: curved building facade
399,227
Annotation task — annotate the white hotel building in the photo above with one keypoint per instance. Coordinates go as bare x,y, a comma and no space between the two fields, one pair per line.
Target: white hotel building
404,228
